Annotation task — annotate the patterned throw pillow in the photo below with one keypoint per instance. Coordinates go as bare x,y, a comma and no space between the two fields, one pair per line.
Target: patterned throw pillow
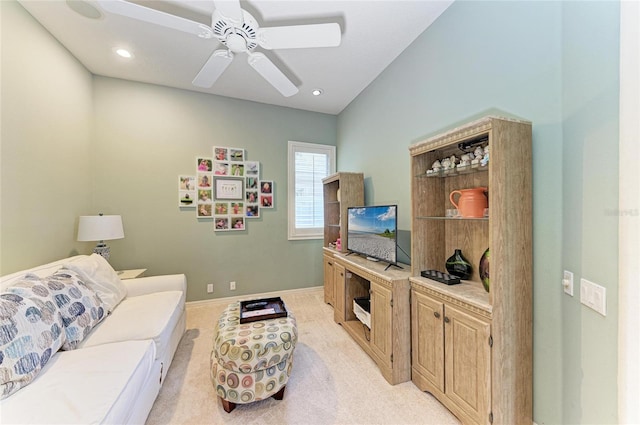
31,332
80,306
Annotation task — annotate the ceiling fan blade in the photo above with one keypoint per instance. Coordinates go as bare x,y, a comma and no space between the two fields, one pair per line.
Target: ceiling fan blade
229,9
213,68
300,36
272,74
146,14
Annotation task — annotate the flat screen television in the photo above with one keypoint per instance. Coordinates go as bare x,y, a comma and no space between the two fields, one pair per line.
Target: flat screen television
372,232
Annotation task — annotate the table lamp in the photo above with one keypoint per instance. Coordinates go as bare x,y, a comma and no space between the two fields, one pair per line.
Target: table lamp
100,228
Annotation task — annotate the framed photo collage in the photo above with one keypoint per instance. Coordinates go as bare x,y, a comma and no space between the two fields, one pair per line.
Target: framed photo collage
226,188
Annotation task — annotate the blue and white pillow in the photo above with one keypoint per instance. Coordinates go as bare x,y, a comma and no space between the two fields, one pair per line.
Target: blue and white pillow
80,306
31,332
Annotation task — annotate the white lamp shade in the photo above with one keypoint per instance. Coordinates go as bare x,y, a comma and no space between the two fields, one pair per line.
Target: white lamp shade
100,227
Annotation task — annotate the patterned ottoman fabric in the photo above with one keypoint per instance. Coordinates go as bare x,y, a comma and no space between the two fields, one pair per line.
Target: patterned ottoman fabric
251,361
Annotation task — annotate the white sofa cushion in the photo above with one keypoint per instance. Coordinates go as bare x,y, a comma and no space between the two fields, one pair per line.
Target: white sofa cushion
98,274
31,332
152,316
91,386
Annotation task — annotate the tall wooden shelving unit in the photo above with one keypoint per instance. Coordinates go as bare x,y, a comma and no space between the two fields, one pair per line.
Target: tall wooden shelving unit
340,191
472,349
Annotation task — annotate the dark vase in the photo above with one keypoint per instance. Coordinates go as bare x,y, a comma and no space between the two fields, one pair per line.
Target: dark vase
484,270
457,265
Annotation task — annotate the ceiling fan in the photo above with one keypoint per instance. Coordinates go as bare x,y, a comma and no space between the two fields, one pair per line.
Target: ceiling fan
239,32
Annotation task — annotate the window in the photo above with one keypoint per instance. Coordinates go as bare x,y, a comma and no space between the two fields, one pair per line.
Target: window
309,163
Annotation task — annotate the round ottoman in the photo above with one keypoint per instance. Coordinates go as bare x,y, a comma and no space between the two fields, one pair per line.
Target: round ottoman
251,361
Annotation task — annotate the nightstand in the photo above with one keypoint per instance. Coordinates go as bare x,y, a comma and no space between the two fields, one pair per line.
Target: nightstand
130,274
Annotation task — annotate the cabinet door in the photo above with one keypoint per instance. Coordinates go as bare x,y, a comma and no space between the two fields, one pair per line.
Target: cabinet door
381,323
427,338
468,355
339,293
329,286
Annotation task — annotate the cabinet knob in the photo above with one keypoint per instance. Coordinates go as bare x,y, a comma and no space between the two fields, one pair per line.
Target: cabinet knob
437,314
330,263
446,319
341,274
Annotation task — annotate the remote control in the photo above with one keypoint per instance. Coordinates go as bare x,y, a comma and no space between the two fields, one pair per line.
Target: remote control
253,306
447,279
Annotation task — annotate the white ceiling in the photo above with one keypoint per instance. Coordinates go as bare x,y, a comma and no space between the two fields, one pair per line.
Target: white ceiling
374,33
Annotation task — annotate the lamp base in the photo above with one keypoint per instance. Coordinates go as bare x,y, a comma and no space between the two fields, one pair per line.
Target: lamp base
102,249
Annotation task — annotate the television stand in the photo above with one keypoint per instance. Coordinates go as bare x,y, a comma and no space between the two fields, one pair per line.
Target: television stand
394,265
388,342
377,260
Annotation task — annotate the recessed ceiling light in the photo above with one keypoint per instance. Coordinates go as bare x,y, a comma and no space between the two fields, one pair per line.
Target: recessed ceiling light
317,92
124,53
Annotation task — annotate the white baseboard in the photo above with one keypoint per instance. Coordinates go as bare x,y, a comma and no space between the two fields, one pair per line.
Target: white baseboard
229,300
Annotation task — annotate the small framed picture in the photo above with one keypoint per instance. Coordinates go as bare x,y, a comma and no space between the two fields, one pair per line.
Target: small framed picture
221,168
204,165
252,211
252,169
236,155
221,223
222,208
266,201
251,196
220,153
251,183
187,198
237,223
186,182
204,196
205,180
204,210
237,208
266,186
230,189
237,170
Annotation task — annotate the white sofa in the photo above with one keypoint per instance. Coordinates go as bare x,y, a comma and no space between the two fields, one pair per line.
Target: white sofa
114,374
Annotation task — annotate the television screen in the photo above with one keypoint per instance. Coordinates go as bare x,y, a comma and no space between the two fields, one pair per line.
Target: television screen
372,231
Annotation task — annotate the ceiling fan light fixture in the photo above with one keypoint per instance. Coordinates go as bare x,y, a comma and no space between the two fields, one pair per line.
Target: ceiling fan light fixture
239,32
317,92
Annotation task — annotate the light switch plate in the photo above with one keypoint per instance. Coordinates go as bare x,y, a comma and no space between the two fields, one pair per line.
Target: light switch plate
567,282
593,296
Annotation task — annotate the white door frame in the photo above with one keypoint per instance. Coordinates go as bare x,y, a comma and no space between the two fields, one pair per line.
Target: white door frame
629,217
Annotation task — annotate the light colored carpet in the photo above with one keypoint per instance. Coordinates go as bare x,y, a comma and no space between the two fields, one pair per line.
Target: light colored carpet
333,380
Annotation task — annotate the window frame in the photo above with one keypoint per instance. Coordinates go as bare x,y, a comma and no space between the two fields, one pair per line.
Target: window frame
294,233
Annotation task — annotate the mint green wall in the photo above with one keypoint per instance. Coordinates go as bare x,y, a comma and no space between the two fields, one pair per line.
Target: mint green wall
74,144
590,87
554,64
146,135
45,141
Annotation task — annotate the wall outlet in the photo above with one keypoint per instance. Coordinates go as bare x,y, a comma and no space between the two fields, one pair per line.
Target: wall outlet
210,288
232,286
